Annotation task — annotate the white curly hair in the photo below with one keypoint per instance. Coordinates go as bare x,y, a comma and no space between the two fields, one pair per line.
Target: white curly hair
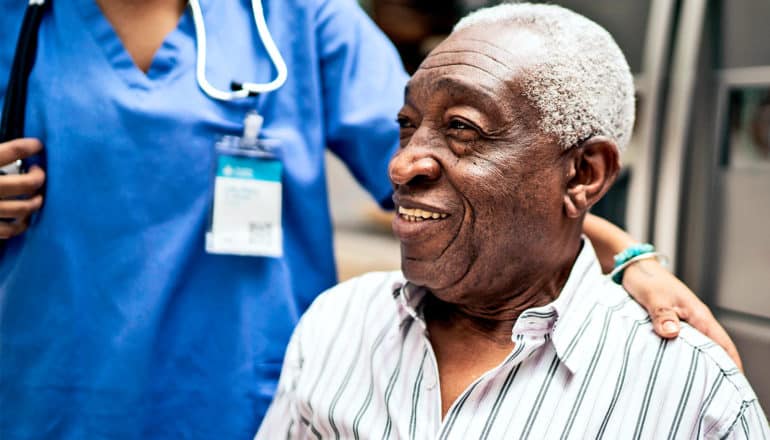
583,86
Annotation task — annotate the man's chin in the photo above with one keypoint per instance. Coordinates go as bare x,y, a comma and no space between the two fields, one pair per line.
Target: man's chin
428,274
419,272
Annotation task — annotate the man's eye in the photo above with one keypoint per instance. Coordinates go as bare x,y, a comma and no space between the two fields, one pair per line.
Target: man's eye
457,124
403,122
462,131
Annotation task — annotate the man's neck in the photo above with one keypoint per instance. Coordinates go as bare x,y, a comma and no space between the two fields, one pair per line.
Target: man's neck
493,313
469,340
464,349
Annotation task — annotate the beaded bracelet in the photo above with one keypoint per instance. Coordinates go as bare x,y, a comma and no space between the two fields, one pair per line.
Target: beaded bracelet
631,255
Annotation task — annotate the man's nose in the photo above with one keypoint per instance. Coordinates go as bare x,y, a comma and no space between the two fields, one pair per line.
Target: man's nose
412,165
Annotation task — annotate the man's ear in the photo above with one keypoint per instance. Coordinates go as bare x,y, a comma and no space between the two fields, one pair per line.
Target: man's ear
593,167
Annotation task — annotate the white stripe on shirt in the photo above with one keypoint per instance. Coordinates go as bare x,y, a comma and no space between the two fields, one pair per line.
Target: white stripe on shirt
588,365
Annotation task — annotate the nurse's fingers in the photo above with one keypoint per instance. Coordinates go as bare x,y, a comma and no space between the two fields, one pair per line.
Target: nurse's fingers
668,300
14,185
12,229
20,209
701,318
18,149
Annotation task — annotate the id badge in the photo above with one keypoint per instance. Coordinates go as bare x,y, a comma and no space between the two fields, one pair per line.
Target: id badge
246,209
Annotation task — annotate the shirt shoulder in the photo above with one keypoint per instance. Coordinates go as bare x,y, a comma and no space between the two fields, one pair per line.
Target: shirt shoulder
721,393
731,408
628,313
716,359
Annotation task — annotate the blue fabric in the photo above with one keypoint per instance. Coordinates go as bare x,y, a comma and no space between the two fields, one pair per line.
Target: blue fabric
114,321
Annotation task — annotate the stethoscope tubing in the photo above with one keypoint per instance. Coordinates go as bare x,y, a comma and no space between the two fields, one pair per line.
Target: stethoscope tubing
15,101
248,88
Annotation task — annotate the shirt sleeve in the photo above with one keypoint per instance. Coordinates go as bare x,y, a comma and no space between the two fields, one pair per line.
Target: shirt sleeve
733,411
283,419
363,86
749,423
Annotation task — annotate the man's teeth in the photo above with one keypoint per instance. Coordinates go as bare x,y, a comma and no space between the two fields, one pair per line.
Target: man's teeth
418,215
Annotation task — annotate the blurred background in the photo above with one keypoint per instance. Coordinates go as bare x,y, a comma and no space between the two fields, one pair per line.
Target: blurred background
696,177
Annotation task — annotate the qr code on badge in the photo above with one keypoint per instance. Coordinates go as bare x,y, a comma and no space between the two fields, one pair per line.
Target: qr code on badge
261,233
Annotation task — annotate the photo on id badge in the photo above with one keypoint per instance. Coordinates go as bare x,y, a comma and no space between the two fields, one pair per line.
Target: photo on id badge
245,217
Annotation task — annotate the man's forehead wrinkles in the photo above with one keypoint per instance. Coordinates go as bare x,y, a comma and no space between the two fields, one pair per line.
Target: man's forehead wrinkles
509,79
449,52
459,63
492,45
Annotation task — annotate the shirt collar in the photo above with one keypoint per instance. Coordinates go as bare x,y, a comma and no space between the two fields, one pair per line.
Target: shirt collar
575,332
409,298
567,321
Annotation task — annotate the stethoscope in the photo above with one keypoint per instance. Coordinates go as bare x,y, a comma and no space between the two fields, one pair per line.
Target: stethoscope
12,123
241,90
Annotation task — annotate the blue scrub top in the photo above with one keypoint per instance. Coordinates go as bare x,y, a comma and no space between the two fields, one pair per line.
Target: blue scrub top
114,322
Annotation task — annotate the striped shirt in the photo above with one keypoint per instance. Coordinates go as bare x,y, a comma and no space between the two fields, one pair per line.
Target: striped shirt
587,365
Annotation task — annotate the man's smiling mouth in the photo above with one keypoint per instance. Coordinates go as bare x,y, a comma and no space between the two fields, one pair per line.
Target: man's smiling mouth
418,215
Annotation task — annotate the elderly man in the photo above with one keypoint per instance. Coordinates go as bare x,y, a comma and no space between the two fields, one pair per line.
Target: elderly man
502,324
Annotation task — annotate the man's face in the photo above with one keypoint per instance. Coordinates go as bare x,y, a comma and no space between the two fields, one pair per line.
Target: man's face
473,161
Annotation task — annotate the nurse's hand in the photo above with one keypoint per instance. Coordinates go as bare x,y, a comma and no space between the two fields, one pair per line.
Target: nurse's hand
668,300
19,193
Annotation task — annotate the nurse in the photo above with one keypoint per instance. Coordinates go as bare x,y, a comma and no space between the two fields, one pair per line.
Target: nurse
118,317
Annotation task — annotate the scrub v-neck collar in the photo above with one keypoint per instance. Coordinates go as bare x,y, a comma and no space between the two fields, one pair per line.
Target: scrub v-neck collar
165,62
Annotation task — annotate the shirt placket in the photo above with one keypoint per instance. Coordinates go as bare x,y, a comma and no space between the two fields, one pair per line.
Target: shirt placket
431,390
530,339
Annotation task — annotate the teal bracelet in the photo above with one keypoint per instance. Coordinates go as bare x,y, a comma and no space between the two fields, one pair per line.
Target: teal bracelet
624,258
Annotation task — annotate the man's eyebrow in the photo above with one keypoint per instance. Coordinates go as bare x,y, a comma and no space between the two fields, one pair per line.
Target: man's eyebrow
468,87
